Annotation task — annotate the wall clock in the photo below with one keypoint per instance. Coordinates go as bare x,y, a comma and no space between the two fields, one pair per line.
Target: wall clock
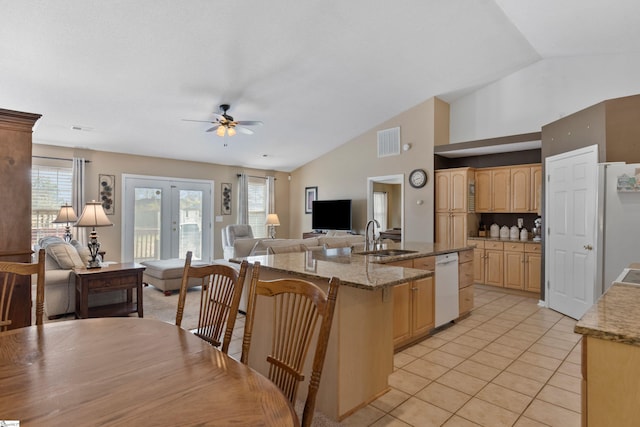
418,178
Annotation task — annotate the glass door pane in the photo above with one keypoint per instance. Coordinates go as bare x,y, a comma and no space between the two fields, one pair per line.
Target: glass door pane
190,223
147,220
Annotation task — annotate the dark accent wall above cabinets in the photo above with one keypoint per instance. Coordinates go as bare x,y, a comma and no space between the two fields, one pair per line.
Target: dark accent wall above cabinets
489,160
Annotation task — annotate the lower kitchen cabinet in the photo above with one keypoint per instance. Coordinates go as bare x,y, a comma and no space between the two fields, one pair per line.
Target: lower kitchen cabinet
508,264
514,265
488,263
610,390
465,281
413,304
532,267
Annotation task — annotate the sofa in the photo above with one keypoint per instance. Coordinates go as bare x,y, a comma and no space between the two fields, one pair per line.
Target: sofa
59,284
249,246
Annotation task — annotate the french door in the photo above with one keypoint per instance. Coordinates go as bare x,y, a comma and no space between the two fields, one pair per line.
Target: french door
166,217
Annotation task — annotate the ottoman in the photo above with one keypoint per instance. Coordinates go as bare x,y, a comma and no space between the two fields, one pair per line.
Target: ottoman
166,274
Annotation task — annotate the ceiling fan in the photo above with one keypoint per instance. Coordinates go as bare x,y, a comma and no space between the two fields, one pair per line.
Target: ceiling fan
224,124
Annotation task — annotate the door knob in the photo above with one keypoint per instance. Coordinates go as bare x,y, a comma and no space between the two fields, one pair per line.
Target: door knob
588,247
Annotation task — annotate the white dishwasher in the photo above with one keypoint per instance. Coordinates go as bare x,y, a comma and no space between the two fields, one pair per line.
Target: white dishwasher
446,288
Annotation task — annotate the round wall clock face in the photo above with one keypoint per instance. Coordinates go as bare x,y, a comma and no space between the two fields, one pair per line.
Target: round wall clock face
418,178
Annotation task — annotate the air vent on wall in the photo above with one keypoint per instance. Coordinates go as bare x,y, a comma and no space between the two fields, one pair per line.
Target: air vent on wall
389,142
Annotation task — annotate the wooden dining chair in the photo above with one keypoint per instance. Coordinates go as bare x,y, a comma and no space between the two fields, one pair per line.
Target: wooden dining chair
298,305
10,273
219,300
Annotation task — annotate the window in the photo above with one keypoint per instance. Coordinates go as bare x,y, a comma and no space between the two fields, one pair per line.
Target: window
257,202
50,189
380,208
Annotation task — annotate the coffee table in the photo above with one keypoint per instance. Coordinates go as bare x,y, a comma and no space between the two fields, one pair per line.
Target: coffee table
109,278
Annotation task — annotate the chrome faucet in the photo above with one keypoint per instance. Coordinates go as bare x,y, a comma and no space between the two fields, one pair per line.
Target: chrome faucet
370,244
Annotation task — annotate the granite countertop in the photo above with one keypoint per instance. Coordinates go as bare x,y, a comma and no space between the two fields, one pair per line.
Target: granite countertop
358,270
614,316
419,250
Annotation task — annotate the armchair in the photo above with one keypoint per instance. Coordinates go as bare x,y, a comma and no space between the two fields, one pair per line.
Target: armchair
229,235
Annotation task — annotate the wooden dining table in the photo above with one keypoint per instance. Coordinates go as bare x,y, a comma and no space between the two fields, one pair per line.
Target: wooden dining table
129,371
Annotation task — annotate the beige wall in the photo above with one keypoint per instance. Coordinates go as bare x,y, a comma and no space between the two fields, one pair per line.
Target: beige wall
117,164
342,173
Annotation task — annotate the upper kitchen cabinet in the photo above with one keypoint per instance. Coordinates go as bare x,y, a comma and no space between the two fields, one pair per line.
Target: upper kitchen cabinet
509,189
454,201
526,184
493,189
452,190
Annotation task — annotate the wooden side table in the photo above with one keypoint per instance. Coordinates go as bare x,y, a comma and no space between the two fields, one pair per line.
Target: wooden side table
109,278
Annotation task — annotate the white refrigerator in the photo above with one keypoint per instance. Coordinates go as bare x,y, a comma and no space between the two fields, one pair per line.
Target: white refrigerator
618,220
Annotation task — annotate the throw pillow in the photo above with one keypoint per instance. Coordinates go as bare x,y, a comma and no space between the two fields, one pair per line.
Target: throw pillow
83,250
65,255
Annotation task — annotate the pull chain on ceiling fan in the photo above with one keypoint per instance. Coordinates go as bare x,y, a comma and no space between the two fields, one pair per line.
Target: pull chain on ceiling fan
224,124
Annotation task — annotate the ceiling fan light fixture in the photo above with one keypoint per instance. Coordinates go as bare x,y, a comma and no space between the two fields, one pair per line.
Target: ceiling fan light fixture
231,131
220,131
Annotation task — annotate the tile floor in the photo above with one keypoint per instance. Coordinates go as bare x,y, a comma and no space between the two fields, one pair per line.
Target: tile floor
510,363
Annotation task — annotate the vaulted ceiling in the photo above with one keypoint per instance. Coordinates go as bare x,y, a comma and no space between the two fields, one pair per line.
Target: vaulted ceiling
125,73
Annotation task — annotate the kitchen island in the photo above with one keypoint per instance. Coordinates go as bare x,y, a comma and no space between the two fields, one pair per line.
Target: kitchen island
360,352
611,358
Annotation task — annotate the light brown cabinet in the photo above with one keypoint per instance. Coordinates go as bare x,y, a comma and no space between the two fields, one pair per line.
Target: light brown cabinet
413,304
532,267
453,197
509,264
465,281
514,265
610,389
508,189
488,263
493,189
536,190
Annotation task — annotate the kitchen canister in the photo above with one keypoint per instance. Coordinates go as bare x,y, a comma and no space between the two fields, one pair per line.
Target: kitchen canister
514,233
504,232
524,235
494,231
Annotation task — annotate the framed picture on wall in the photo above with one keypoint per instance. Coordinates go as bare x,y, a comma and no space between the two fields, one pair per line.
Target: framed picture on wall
107,192
226,199
310,194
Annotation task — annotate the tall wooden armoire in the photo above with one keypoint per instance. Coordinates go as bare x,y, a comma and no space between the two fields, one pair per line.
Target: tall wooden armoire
15,203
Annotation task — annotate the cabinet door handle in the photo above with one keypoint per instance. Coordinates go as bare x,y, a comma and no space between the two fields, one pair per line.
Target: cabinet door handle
414,289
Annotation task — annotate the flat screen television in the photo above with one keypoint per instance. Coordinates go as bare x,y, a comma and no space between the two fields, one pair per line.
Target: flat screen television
331,215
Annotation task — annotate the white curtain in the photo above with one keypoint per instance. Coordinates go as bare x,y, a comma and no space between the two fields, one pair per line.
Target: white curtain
243,200
77,195
271,194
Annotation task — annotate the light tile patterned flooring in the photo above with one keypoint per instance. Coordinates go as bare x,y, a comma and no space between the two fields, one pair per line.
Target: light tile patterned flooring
510,363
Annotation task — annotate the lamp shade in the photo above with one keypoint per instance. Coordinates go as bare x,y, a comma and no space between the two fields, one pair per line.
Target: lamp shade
66,215
272,219
93,215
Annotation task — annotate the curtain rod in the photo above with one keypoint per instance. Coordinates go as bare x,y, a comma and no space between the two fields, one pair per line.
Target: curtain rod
57,158
255,176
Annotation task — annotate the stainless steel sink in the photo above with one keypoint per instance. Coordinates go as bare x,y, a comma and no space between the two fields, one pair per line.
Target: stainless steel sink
387,252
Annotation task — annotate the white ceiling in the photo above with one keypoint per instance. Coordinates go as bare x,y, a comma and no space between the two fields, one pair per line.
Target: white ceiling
317,73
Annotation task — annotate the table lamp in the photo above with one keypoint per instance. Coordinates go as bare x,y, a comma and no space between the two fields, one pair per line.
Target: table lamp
93,215
66,215
272,222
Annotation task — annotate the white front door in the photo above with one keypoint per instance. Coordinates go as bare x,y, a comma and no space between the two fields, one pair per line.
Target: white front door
570,226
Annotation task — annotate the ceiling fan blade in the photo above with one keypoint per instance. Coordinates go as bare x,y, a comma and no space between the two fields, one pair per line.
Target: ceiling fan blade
213,128
201,121
249,123
243,130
